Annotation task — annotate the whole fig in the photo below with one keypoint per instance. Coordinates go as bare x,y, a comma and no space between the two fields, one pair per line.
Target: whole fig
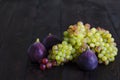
87,60
36,51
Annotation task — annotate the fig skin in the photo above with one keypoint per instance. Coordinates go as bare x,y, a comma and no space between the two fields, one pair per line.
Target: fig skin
87,61
37,51
50,40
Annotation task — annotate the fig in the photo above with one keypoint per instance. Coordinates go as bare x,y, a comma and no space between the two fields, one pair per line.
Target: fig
36,51
87,61
51,40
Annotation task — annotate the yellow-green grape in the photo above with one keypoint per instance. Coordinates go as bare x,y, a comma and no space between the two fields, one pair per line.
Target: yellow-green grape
62,53
92,45
106,62
100,55
75,35
66,39
65,33
93,30
108,46
104,58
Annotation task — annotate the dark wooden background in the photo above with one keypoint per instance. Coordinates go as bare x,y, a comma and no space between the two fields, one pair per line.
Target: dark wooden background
22,21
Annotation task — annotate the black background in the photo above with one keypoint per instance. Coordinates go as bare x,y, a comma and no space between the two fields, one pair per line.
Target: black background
22,21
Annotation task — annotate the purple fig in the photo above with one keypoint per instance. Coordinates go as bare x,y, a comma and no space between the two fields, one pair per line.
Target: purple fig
51,40
36,51
87,60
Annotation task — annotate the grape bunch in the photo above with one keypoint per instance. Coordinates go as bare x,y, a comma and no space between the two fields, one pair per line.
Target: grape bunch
62,53
105,46
75,36
81,36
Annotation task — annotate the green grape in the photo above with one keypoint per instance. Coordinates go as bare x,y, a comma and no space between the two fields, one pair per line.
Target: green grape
55,52
73,51
110,49
106,62
111,59
62,59
104,58
89,34
55,47
115,49
65,33
97,43
108,35
92,45
107,55
59,46
61,53
97,34
93,40
72,41
66,39
114,53
93,30
111,55
71,57
70,47
106,45
100,55
68,57
64,42
57,57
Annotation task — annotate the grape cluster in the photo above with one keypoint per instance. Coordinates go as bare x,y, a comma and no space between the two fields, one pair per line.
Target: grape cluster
106,47
75,35
77,38
62,53
47,64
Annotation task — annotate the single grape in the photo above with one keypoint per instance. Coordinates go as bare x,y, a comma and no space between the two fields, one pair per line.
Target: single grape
44,60
104,58
42,66
49,65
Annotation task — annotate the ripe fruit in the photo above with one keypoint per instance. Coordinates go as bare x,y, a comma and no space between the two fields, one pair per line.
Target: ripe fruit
87,60
77,41
61,53
42,66
44,60
49,65
36,51
51,40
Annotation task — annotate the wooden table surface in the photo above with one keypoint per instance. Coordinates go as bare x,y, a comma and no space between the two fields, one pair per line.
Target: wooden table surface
22,21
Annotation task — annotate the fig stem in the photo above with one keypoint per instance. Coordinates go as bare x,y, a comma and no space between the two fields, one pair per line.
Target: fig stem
37,40
88,47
